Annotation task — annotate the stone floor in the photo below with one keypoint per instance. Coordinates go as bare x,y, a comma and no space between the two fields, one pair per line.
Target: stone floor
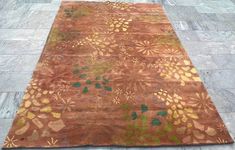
206,29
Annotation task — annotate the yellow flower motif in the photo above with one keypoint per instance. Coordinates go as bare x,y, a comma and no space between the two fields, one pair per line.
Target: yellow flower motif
118,91
176,108
119,24
202,101
221,141
120,6
147,48
116,100
52,142
10,142
65,104
180,71
129,95
184,118
103,45
35,108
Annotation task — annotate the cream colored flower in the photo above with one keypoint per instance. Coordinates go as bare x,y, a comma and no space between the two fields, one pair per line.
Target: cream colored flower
202,101
146,47
10,142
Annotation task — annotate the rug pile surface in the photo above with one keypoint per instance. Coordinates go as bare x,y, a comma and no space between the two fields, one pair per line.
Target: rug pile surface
115,74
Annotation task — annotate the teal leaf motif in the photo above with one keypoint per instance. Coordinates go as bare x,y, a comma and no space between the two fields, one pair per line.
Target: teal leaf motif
88,81
85,68
156,122
97,85
144,108
105,80
76,84
76,71
107,88
98,78
83,76
134,115
85,90
162,113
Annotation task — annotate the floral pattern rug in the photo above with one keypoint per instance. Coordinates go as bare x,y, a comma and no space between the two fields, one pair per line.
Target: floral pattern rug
115,74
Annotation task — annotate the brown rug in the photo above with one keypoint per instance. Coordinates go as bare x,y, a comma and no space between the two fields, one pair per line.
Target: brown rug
115,74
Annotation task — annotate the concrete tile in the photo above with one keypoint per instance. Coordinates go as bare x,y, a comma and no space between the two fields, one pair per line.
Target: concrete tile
5,125
224,61
218,147
23,34
37,20
209,47
216,35
205,62
183,2
37,1
46,7
180,25
187,35
21,47
13,82
216,7
210,25
225,16
180,13
9,103
229,119
213,61
223,99
10,19
18,63
218,78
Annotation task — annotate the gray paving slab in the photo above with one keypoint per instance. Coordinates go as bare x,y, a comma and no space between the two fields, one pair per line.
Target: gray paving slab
223,99
218,78
9,103
36,20
216,35
14,81
23,34
21,47
18,63
216,7
209,48
5,125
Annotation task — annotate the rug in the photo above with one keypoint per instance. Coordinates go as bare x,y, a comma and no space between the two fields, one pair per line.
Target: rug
115,74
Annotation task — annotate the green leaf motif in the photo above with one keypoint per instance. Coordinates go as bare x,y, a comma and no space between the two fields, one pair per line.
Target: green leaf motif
125,106
144,108
144,119
76,71
85,90
76,84
168,128
107,88
134,115
85,68
105,80
156,122
97,85
157,140
162,113
175,139
88,81
83,76
98,78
